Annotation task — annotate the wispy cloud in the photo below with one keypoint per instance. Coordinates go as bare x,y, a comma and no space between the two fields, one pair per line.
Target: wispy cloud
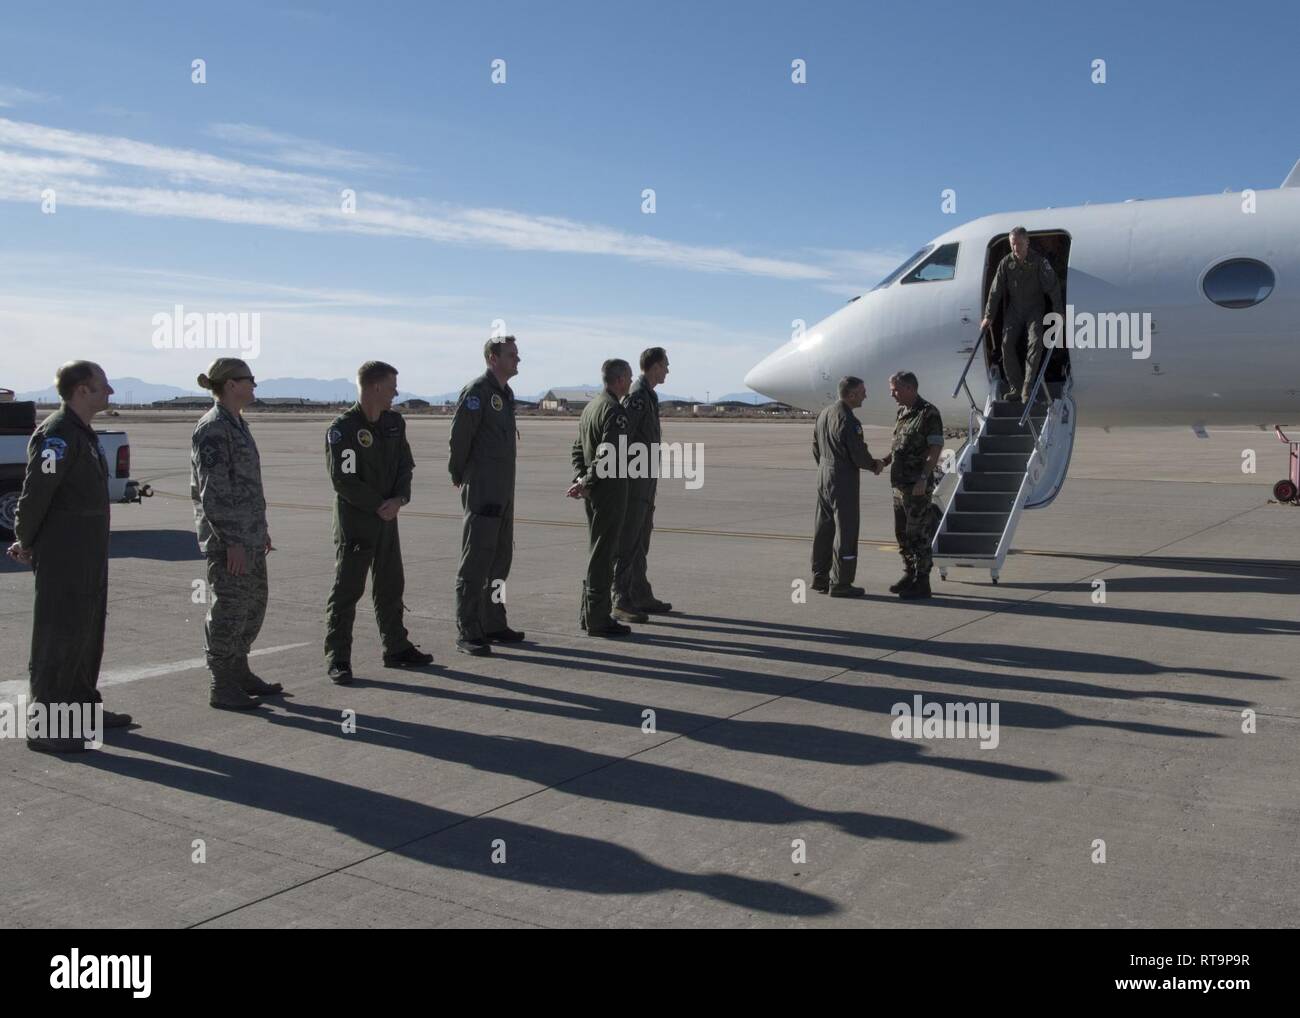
11,95
140,178
292,150
436,340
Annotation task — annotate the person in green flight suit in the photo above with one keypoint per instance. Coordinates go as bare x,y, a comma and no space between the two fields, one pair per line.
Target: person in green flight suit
62,532
481,461
1024,285
370,465
634,598
600,481
841,453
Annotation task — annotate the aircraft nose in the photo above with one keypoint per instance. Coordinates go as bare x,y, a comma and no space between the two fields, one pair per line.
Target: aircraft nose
760,376
786,374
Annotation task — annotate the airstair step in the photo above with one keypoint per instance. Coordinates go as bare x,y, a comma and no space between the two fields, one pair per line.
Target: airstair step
1008,482
967,544
983,502
1000,462
1002,408
1007,443
1011,426
976,523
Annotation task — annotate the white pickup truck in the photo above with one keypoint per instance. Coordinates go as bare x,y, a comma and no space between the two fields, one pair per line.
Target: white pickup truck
17,422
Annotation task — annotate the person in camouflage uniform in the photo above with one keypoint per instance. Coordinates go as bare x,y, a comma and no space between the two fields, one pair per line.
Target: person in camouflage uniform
1023,287
483,445
841,453
918,445
230,517
600,482
62,531
632,591
370,465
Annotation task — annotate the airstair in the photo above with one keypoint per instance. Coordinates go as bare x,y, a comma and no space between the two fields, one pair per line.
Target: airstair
1015,458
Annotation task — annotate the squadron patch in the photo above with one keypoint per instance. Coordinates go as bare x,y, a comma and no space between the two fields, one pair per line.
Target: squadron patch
209,454
56,445
637,404
472,402
364,438
496,402
621,421
334,436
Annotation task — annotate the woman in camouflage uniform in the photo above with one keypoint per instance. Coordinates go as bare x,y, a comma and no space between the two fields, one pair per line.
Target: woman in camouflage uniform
230,515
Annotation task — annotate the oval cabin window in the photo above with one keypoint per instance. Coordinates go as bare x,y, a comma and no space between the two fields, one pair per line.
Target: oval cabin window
1238,283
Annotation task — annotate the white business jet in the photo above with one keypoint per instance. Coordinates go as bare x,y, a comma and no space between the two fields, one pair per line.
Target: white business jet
1179,311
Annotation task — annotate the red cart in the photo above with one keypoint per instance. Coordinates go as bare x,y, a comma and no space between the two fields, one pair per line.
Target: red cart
1288,490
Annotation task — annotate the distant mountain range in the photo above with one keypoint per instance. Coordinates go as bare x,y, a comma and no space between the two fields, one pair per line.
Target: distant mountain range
327,390
125,390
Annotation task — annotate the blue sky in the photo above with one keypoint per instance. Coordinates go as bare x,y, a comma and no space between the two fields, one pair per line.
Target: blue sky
522,201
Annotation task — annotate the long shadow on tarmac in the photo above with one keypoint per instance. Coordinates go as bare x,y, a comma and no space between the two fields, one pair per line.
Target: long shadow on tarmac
602,776
999,655
448,840
797,742
1086,611
1255,569
834,693
155,545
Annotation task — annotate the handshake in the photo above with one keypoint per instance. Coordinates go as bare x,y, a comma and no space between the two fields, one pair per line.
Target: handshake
879,465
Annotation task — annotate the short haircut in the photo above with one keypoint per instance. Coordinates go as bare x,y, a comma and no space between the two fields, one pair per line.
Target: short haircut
905,378
73,374
654,355
496,346
1018,231
848,383
614,369
373,371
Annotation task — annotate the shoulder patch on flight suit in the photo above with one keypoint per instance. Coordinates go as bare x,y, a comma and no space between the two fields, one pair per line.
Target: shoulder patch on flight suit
364,438
56,445
334,436
472,402
636,403
621,421
496,402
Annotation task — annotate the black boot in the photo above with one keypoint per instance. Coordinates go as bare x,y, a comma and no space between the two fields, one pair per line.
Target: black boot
906,580
918,588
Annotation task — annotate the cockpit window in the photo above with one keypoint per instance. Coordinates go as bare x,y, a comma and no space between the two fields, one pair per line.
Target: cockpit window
939,266
904,267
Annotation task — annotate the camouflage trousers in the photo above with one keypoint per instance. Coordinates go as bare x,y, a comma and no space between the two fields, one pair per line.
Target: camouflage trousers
916,518
236,608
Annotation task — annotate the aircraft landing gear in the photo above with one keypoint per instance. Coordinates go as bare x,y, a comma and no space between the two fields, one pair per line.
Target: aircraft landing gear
1287,491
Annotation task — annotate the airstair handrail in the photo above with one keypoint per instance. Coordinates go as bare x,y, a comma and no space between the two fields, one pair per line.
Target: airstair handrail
1038,384
969,361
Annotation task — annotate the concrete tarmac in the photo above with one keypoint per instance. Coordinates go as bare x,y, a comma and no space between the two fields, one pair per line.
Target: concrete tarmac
529,789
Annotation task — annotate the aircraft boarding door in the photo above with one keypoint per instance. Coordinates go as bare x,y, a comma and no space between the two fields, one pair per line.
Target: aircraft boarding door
1054,245
1016,456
